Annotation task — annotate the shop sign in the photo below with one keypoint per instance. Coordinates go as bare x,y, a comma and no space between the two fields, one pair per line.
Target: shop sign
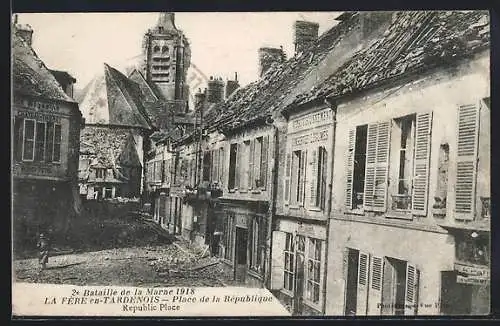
473,280
472,274
310,138
39,116
312,120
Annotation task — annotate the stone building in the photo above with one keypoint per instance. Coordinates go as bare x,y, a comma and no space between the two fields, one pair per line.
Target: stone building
46,123
116,131
408,230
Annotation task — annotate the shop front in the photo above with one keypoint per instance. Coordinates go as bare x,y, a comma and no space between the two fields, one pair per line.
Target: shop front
241,236
465,290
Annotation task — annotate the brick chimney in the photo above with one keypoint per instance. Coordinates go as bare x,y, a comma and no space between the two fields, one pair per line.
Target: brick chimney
269,56
215,90
24,31
305,34
232,85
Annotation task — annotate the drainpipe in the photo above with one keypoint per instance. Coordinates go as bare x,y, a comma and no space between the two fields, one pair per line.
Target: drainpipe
330,195
272,208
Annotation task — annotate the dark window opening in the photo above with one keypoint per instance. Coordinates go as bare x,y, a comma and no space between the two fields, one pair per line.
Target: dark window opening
359,167
232,165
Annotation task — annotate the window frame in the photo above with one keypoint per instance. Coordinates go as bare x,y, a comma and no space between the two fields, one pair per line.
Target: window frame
289,251
311,258
33,140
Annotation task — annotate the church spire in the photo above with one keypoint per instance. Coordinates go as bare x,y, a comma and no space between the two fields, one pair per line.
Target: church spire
166,21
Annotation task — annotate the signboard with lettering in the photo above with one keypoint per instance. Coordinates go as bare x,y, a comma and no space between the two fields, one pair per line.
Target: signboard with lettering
38,116
310,138
472,274
311,120
31,169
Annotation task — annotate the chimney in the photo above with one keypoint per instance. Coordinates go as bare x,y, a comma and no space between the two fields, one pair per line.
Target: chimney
268,57
24,31
215,90
199,98
232,85
305,34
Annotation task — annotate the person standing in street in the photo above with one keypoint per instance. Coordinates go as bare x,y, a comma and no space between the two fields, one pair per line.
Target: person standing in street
43,245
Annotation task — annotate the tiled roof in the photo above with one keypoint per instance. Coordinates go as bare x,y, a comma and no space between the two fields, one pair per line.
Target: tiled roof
272,91
413,42
63,75
113,99
30,76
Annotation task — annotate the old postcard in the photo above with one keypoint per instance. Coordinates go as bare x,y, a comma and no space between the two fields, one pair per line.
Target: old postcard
251,164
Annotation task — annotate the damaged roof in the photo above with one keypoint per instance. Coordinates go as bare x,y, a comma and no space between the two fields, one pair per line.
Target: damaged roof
30,76
113,99
415,41
272,91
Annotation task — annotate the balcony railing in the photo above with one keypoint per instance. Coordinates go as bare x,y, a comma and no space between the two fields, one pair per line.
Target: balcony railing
401,202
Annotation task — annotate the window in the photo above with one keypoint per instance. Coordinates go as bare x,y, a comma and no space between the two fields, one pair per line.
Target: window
233,152
318,177
40,141
99,173
207,157
289,270
245,167
256,156
405,128
221,164
356,166
442,183
298,176
56,156
314,270
29,140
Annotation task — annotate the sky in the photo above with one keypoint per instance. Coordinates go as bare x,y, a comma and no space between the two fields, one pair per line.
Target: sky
221,43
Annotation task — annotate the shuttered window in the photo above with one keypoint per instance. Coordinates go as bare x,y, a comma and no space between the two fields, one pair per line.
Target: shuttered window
289,268
29,140
375,290
314,178
371,151
251,163
362,291
40,141
421,164
264,161
233,152
301,178
382,167
411,292
56,156
466,166
314,270
288,171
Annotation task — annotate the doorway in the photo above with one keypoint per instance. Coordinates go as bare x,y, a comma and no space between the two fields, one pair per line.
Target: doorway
455,297
299,276
351,293
241,254
394,287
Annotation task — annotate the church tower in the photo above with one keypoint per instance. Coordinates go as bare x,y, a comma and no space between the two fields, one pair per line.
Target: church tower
167,57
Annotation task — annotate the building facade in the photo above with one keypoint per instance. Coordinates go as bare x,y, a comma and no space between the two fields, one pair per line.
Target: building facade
409,229
46,123
301,222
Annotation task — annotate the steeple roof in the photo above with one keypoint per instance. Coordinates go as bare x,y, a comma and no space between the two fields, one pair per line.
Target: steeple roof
113,99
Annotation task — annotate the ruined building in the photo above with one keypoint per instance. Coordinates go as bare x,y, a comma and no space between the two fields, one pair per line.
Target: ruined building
126,115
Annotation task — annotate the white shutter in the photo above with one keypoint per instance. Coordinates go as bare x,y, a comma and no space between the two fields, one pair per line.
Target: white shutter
375,291
251,158
288,172
277,260
222,165
313,181
237,168
302,186
371,160
420,193
467,143
382,167
411,291
362,294
263,161
351,148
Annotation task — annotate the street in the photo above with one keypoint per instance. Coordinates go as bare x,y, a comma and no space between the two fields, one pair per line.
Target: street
149,257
